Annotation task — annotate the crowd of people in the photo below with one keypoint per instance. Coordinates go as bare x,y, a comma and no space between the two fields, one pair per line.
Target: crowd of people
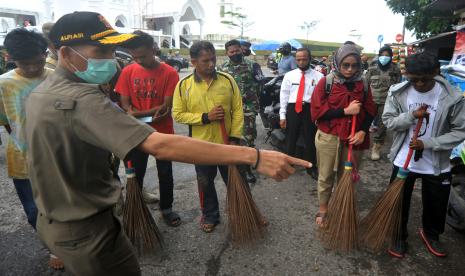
73,112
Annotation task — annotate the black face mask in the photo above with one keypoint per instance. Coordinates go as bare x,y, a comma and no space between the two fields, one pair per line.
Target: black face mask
247,53
304,68
285,52
237,58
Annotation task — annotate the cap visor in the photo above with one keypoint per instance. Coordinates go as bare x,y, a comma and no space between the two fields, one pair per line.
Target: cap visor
116,39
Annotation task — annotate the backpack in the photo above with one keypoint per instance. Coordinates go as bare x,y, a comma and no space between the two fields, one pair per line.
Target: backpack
330,81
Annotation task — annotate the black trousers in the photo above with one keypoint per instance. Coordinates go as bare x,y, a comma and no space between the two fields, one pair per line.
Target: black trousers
435,191
165,176
295,121
207,191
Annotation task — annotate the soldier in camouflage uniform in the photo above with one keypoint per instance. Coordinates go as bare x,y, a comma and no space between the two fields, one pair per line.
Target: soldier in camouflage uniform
248,81
381,75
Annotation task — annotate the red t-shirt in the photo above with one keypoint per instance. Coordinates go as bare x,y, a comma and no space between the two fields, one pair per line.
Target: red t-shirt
147,89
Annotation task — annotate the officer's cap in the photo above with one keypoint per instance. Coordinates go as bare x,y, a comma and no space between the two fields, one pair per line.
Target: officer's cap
81,28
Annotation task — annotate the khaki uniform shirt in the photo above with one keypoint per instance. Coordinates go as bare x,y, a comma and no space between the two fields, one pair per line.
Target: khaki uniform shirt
380,81
71,129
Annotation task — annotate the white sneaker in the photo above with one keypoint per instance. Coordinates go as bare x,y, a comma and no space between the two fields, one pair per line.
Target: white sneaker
149,198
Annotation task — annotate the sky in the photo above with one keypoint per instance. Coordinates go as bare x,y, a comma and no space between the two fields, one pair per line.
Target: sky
280,20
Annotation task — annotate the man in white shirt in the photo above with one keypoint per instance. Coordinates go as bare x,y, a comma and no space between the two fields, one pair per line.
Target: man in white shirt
296,92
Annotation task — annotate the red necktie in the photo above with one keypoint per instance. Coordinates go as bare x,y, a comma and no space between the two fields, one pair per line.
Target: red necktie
300,94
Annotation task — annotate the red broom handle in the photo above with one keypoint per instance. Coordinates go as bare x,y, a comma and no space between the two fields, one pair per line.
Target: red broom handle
414,138
224,132
352,133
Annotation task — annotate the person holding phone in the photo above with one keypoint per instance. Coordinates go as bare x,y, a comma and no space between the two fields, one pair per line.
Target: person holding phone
146,88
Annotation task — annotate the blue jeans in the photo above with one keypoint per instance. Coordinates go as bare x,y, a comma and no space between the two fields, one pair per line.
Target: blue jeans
207,192
24,191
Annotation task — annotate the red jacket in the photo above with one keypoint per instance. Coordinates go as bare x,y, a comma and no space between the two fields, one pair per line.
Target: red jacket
339,98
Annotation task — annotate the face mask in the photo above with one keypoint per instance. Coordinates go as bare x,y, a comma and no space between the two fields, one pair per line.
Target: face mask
99,71
236,58
247,53
384,60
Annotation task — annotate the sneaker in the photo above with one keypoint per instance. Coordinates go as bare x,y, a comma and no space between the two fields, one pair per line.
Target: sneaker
398,249
375,152
149,198
434,246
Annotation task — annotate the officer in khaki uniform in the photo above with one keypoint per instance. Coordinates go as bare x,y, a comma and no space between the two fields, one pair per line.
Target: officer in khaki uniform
71,128
381,75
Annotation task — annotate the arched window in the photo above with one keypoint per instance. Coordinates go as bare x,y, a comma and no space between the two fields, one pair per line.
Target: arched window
121,21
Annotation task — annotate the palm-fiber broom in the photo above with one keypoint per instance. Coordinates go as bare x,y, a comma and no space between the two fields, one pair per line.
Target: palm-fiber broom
382,224
339,230
246,223
139,225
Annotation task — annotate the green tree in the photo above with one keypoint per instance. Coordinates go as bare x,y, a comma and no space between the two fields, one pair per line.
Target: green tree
423,22
238,21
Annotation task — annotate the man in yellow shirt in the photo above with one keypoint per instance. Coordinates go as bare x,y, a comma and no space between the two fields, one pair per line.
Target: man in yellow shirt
203,100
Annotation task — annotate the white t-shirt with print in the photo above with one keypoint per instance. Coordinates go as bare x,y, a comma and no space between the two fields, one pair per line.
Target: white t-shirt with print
416,99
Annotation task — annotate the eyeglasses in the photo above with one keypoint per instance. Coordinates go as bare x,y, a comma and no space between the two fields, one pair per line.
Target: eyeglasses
423,80
354,66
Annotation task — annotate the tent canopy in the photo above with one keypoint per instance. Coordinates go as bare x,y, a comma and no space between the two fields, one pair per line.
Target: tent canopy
273,45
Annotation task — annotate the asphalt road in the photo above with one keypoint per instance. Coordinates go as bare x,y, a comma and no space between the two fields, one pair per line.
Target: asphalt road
289,248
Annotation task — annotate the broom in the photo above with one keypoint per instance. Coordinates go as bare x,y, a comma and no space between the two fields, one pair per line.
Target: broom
139,225
382,224
246,223
339,232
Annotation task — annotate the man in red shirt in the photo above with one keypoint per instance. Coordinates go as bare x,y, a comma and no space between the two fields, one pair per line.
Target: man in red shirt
146,88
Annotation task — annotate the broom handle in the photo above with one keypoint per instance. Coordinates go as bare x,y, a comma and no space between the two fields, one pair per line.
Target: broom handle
414,138
352,133
224,133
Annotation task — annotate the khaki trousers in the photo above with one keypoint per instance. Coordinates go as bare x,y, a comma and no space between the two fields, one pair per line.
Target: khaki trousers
331,155
93,246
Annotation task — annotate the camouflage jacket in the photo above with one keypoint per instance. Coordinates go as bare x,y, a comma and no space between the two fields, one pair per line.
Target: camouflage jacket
380,81
248,82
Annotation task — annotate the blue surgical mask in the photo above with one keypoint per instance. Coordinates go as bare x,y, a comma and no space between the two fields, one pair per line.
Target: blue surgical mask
99,71
384,60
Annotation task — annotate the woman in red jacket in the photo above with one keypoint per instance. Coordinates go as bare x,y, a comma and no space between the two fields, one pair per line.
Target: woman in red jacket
332,107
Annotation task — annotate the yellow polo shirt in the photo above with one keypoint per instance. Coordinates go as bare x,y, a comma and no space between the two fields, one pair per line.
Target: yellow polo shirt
194,96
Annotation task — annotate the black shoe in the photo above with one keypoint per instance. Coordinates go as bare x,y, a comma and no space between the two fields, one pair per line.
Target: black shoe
250,178
313,172
433,245
398,249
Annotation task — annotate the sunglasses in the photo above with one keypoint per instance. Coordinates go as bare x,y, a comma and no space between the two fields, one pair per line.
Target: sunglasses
423,80
354,66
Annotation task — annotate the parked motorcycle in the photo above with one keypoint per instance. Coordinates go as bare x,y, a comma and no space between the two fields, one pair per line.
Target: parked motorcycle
455,217
269,113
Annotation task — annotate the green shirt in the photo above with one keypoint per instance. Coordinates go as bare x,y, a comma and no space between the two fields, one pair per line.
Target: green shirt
71,129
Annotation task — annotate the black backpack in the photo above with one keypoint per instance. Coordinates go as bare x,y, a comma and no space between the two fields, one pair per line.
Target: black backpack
330,81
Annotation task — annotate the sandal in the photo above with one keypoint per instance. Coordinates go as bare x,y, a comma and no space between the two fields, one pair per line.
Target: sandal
207,227
320,218
55,263
172,219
